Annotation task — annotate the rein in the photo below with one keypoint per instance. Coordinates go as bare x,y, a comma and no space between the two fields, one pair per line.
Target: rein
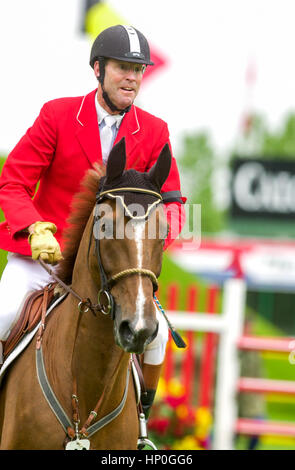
84,304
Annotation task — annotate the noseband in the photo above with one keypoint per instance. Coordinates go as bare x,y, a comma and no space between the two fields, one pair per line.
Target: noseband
108,307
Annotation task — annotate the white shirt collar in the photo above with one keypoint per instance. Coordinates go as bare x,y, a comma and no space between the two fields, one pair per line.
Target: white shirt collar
102,113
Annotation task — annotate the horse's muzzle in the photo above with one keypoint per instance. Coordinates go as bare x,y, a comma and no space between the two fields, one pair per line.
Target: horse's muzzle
133,339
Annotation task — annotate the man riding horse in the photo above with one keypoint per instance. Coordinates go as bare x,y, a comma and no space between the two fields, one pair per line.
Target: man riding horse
68,137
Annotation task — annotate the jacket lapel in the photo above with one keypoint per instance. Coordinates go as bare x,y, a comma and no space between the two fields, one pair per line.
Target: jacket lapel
88,131
130,129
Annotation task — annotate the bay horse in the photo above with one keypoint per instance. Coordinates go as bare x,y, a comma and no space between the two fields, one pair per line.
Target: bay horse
84,349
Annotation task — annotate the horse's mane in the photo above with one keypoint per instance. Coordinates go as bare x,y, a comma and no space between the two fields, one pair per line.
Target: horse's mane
81,208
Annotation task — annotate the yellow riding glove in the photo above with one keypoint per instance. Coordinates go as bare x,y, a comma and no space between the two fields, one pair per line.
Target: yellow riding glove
43,243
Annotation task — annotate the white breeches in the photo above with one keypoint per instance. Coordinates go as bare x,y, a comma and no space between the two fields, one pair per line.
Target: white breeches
22,275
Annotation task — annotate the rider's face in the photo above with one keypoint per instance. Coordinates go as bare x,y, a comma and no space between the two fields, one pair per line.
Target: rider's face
121,82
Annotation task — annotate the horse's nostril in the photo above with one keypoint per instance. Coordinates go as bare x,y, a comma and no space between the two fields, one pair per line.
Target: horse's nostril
126,332
133,339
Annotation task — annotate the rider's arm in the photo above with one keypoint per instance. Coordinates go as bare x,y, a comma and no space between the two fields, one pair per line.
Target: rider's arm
171,191
175,214
23,169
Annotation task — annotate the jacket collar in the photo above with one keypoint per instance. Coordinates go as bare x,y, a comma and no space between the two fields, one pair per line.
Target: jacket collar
88,131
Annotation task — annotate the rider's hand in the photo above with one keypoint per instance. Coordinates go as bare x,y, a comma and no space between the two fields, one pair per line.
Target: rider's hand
43,243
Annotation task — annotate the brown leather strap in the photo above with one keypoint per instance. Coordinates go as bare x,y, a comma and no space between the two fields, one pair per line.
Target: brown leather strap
93,413
29,317
84,303
137,364
43,317
139,372
75,404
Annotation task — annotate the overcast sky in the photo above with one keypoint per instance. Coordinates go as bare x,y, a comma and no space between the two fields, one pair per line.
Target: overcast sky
208,45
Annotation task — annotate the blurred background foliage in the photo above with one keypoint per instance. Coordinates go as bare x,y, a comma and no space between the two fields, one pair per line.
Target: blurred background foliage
199,162
196,165
258,140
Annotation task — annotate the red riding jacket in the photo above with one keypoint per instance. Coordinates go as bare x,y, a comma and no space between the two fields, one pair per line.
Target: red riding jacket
57,150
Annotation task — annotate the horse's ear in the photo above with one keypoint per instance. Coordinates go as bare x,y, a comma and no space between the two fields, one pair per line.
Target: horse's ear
160,170
116,161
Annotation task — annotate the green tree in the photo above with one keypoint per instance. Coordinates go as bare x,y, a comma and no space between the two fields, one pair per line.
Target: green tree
258,140
197,163
280,144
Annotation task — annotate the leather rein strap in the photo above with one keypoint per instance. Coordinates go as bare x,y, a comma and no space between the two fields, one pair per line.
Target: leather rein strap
84,304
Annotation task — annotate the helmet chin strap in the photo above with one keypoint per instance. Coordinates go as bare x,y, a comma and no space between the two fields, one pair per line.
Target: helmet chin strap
105,95
110,104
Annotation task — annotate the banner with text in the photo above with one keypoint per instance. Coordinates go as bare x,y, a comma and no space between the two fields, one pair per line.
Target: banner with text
262,188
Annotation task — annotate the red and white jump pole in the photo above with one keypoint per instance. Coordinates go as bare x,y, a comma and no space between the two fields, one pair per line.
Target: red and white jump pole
229,326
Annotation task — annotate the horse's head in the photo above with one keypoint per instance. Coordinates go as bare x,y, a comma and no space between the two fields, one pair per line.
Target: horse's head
130,227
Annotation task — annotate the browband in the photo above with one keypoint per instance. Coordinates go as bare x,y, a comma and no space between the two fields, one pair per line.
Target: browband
128,213
140,190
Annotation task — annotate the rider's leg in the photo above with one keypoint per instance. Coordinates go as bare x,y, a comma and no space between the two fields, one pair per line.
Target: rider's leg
152,364
20,276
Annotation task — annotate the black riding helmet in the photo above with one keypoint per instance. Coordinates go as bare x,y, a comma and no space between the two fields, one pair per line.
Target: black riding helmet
123,43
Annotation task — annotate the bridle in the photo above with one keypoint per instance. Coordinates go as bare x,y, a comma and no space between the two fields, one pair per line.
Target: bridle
108,307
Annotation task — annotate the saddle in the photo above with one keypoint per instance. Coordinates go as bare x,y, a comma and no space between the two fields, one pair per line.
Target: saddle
31,313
